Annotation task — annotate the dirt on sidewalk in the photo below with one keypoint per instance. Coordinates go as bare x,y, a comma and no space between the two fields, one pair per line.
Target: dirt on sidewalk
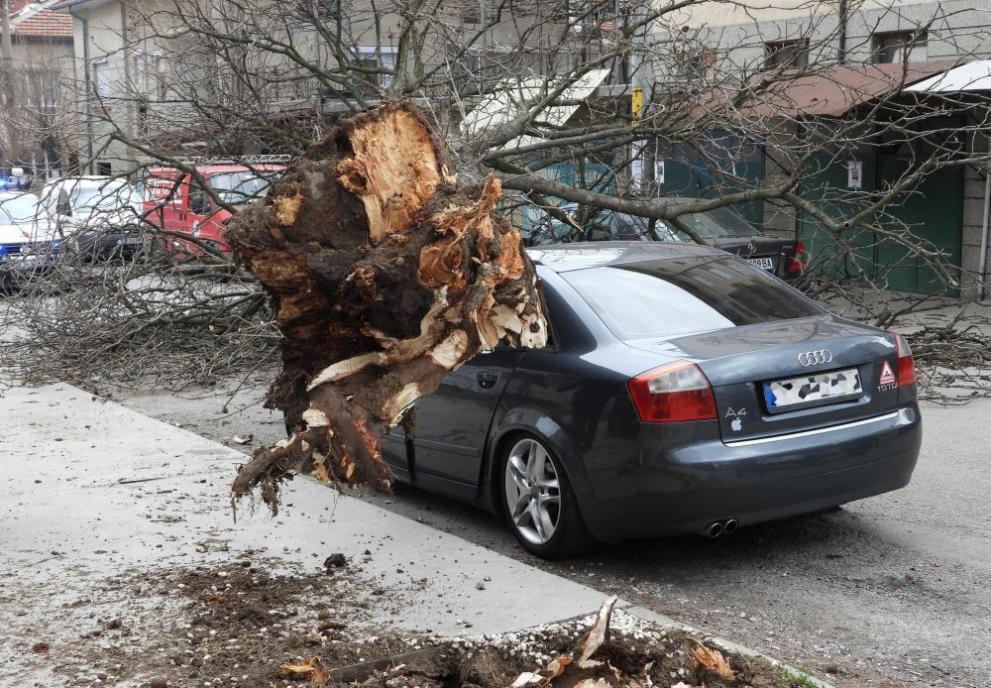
263,622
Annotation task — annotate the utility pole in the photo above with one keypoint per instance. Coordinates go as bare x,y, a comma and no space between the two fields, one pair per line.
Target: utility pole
6,66
6,50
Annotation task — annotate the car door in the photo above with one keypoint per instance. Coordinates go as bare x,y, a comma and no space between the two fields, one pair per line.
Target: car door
452,423
200,207
165,206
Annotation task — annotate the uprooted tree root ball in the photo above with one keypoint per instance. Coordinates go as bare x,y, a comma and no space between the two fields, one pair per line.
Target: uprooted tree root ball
385,274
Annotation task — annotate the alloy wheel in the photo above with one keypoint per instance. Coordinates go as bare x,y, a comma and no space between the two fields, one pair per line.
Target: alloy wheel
533,491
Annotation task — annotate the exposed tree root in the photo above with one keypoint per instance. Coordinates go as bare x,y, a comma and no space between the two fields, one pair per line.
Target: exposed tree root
385,275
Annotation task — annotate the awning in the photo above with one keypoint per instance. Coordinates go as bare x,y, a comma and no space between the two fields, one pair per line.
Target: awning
973,76
835,91
512,97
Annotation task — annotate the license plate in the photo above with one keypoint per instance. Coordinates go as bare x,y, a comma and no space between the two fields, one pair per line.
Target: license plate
762,263
809,390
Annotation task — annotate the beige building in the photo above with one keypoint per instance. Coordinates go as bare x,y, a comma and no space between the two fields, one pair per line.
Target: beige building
34,131
144,77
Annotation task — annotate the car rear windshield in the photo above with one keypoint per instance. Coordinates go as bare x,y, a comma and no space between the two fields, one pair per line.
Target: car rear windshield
686,294
719,222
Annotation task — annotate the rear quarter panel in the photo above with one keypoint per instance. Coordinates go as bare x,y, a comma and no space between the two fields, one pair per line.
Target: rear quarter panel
574,397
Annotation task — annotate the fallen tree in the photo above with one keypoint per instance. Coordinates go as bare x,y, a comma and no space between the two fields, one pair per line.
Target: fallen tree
385,274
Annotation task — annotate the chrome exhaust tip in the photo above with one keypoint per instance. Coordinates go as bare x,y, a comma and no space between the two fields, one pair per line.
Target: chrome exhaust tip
730,526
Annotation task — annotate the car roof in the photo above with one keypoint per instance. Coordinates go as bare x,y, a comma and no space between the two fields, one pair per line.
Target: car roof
581,255
213,169
88,182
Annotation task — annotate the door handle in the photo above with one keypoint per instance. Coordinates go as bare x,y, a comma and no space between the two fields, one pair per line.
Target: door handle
487,380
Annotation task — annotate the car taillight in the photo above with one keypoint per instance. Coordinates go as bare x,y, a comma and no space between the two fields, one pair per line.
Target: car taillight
678,391
906,363
799,261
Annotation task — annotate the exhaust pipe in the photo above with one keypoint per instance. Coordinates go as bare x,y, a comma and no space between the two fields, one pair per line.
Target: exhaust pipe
713,530
717,528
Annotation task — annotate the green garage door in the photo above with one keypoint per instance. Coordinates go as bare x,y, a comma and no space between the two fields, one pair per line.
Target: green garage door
825,186
932,213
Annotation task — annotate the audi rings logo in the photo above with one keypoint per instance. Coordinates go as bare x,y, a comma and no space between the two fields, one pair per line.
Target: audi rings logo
811,358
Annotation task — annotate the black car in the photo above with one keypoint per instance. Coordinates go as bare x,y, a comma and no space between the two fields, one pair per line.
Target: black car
721,227
683,391
118,243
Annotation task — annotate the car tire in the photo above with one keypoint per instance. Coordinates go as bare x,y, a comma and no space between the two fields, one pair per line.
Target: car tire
528,464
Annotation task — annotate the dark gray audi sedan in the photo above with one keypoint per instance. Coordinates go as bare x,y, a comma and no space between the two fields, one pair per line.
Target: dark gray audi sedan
684,391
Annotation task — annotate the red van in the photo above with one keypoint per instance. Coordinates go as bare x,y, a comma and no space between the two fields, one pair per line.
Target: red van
176,202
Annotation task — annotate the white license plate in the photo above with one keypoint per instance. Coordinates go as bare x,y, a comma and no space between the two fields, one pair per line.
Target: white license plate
763,263
809,389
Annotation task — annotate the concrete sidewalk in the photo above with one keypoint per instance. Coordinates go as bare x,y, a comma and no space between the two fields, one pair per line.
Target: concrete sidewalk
89,489
82,475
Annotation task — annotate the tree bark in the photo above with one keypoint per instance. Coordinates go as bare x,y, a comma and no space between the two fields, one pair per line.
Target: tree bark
385,275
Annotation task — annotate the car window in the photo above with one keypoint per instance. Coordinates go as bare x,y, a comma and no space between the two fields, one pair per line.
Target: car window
19,209
238,188
605,225
687,294
200,202
164,190
107,198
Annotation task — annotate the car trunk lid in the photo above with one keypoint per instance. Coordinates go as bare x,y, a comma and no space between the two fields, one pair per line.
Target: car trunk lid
793,375
765,252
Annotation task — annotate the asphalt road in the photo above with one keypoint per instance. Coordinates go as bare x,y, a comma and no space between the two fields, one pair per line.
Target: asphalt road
886,592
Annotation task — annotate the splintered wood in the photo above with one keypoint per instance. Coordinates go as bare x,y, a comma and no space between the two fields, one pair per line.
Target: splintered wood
385,275
597,663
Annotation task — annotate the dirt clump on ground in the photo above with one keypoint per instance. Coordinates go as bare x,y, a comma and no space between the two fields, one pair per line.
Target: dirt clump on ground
262,623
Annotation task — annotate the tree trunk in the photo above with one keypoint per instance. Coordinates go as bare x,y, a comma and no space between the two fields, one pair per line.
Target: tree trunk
385,275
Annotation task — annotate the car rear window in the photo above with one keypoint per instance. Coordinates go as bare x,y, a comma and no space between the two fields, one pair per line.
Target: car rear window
686,294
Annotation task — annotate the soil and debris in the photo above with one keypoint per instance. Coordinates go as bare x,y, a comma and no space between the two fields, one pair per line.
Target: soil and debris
950,340
260,622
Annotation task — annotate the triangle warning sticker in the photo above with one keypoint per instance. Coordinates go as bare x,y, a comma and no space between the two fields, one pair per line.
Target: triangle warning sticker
887,375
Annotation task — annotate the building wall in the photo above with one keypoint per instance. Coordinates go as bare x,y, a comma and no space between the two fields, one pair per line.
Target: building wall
117,42
43,69
99,57
956,28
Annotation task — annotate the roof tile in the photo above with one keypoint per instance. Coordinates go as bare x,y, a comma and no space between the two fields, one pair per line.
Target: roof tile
39,23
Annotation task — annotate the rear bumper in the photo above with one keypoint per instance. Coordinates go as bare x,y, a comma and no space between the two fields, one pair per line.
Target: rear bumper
685,489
